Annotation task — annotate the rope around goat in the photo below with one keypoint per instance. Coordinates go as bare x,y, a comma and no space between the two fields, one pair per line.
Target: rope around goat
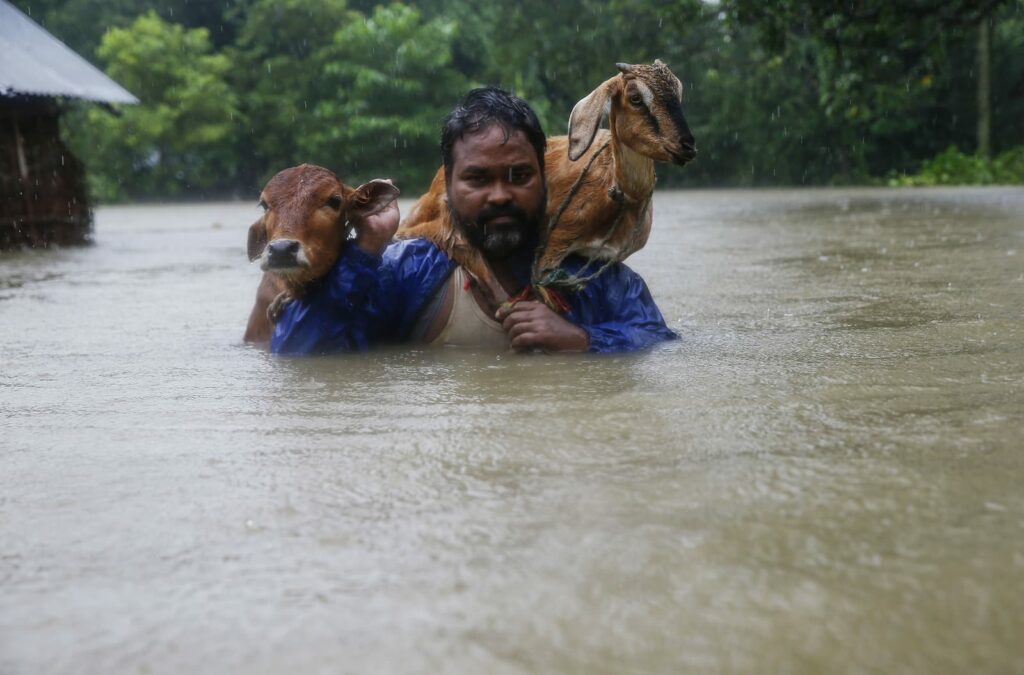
558,277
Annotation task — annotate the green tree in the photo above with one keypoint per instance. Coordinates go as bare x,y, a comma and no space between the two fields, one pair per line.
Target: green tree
281,60
554,54
81,24
386,84
890,77
786,92
180,139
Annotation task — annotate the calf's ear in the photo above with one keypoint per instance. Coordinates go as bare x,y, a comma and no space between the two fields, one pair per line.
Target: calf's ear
257,239
371,197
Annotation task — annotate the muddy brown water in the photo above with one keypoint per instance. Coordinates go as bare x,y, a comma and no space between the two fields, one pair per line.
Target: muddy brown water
826,474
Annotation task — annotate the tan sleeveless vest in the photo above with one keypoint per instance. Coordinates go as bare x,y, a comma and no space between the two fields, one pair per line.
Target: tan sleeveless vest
468,325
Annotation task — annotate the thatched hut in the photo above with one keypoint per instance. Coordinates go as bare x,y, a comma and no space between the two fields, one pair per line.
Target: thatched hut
43,199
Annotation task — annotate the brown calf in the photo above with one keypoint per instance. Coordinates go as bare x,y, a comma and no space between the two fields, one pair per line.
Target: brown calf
307,218
599,182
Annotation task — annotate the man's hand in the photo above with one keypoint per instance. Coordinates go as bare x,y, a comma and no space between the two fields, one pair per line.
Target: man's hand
535,325
374,232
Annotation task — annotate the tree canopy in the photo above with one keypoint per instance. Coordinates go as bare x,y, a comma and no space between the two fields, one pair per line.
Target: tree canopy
795,92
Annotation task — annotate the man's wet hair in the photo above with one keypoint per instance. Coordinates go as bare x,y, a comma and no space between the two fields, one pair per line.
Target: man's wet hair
481,108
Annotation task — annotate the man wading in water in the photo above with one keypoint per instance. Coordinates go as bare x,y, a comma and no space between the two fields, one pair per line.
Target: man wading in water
384,291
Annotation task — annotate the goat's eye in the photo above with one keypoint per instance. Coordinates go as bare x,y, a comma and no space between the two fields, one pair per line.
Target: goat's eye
334,202
263,205
636,99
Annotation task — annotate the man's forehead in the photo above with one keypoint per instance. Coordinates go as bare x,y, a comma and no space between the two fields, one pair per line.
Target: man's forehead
494,143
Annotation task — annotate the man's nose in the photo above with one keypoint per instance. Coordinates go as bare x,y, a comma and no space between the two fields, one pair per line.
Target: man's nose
499,193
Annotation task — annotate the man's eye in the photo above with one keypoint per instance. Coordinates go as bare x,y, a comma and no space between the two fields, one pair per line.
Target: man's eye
519,177
476,179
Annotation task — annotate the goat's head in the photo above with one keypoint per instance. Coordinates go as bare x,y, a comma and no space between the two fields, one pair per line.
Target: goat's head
644,104
306,217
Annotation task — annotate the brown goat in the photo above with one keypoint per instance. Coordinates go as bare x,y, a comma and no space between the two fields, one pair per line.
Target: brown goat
306,221
600,182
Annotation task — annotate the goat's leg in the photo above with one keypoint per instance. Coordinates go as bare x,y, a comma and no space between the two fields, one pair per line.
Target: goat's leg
439,233
427,208
473,262
558,247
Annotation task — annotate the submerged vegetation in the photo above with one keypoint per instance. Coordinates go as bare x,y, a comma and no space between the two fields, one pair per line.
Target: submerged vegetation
794,92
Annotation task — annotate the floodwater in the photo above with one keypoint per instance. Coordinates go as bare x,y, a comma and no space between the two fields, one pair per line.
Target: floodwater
825,475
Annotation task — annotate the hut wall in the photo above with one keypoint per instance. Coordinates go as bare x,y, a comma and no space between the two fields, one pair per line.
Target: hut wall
43,199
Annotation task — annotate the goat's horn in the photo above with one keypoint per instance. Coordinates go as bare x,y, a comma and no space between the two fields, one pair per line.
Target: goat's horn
624,68
659,62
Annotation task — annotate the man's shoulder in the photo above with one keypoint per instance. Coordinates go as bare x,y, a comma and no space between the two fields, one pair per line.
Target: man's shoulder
418,248
401,258
415,258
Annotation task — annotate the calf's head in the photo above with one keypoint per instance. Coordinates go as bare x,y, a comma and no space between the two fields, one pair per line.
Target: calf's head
307,214
644,104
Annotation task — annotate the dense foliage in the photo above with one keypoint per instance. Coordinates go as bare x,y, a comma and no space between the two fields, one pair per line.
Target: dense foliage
952,167
183,137
794,92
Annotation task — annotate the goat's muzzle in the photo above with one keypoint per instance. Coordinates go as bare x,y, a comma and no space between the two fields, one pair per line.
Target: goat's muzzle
685,155
284,255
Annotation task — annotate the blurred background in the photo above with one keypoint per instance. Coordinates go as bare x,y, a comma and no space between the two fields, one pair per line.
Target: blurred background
793,92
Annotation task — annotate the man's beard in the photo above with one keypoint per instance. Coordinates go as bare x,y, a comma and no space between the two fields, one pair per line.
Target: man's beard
499,240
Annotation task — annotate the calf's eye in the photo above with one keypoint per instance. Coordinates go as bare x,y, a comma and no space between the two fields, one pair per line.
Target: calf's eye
334,202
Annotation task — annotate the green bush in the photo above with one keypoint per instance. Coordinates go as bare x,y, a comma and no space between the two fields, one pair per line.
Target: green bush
180,140
952,167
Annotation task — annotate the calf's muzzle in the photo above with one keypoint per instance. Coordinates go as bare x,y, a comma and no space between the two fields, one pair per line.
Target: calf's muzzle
283,254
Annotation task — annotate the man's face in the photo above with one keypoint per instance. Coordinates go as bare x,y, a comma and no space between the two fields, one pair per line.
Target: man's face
496,192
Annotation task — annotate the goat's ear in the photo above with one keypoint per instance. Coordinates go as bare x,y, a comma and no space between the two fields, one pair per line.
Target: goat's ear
371,197
585,118
257,239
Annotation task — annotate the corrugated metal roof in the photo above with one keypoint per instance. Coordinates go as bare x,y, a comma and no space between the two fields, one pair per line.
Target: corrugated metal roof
34,63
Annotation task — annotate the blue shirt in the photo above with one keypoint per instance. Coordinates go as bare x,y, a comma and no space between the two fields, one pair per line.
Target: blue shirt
369,300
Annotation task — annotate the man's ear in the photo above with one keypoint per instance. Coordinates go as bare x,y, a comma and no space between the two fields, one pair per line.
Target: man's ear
586,116
257,239
371,197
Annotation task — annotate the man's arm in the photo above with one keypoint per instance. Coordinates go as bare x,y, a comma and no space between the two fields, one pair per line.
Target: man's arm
372,294
365,300
619,314
614,313
345,310
338,314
